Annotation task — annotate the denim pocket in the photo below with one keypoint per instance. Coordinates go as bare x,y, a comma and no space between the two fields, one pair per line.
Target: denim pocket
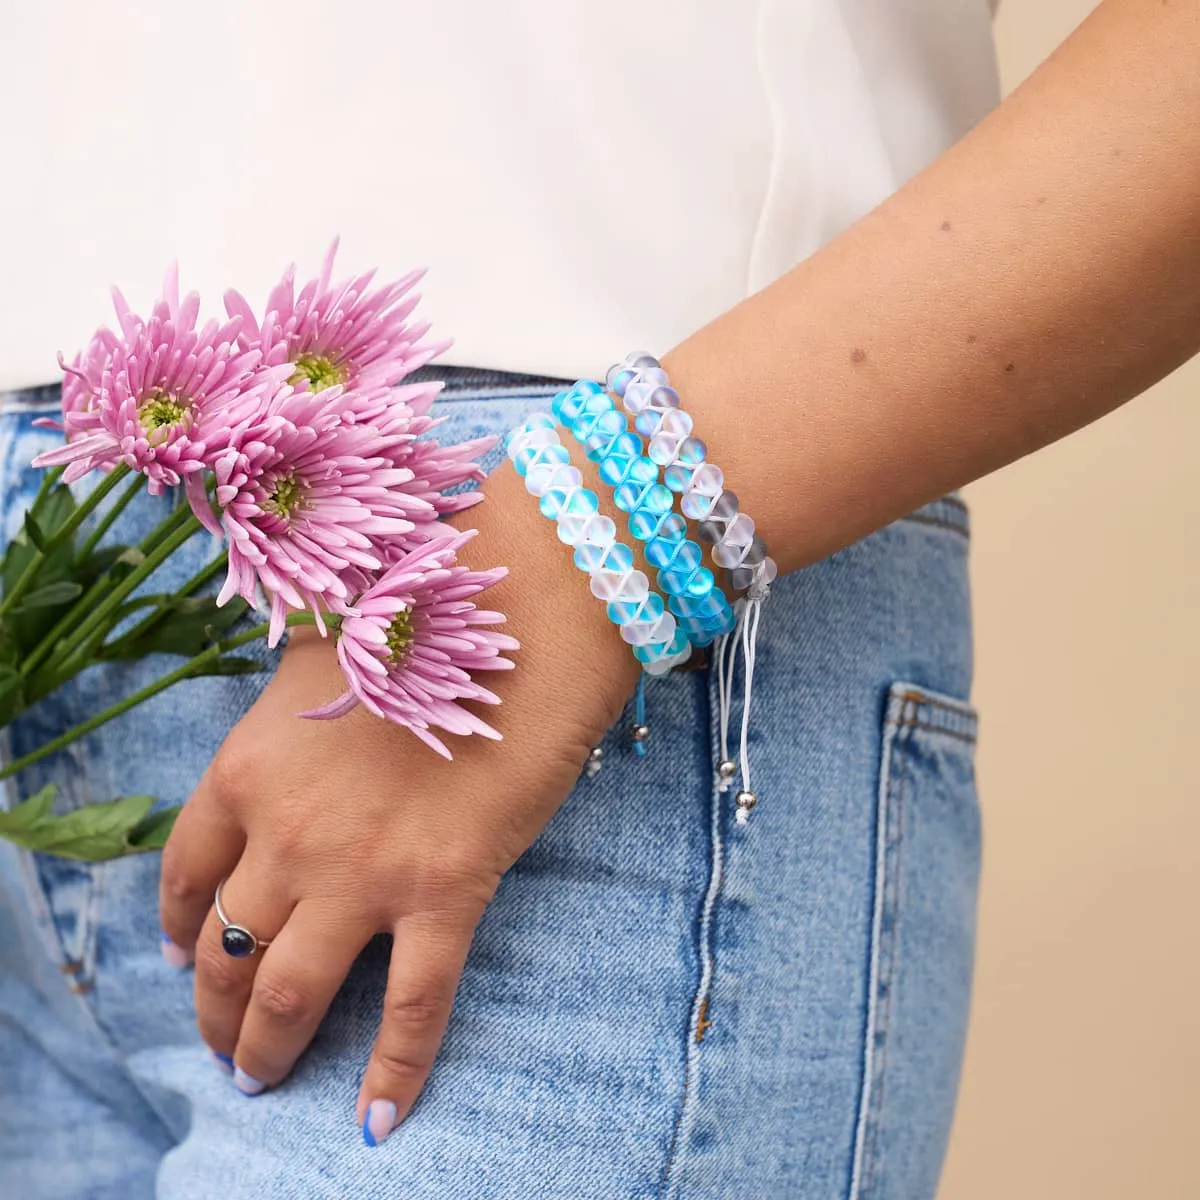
922,943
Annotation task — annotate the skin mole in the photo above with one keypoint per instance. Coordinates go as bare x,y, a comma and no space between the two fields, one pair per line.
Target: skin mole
1010,367
945,226
858,355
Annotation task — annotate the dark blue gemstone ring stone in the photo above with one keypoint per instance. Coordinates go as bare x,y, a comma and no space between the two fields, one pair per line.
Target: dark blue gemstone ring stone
237,942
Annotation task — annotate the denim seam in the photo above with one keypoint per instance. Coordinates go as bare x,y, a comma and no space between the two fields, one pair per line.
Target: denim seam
866,1125
918,518
892,876
672,1169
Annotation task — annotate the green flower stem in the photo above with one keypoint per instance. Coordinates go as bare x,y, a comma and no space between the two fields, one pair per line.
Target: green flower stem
50,476
112,601
190,668
79,611
106,522
64,531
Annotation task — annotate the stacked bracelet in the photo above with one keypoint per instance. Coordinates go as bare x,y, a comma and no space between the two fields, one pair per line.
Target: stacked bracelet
592,418
544,462
648,397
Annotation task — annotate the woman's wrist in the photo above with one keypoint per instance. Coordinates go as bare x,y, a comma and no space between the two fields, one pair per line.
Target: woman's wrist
584,671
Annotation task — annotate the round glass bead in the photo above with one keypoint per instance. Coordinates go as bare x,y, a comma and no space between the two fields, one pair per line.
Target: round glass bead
756,552
692,451
675,579
619,378
701,609
619,559
673,527
552,501
599,531
647,422
571,528
677,422
696,505
676,476
588,557
663,448
641,360
728,554
645,525
701,583
582,502
628,496
739,531
656,499
661,551
708,479
637,396
606,585
725,508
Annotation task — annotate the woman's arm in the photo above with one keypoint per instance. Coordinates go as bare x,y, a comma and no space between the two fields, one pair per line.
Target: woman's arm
1040,273
1037,275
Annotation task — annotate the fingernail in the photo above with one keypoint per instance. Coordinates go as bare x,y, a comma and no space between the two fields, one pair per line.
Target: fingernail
176,955
379,1121
223,1062
246,1084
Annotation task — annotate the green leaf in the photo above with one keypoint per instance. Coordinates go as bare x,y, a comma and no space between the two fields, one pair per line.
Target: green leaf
12,699
50,594
186,627
151,832
55,508
34,532
93,833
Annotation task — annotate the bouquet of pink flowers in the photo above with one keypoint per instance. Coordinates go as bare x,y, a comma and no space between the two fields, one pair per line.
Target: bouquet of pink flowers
296,440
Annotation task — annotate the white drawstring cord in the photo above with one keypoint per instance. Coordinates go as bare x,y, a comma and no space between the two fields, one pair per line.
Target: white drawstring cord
725,671
745,632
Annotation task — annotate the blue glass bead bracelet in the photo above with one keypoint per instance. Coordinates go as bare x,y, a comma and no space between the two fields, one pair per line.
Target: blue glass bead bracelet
593,419
540,458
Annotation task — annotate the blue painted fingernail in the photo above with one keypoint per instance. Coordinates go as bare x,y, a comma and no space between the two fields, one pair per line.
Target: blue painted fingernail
379,1122
175,954
223,1061
246,1084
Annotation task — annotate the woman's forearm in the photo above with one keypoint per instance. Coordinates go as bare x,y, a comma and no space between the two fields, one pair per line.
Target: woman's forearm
1037,275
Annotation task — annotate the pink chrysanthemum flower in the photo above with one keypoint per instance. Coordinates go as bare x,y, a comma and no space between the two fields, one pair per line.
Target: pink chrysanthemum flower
405,424
164,397
409,645
339,334
81,386
306,497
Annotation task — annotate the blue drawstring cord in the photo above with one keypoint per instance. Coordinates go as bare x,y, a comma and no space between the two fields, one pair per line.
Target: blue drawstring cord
639,715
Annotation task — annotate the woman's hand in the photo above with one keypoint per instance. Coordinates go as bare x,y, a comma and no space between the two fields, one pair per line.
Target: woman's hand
328,832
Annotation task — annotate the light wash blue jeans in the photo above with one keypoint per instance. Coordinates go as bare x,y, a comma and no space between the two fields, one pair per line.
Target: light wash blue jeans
658,1004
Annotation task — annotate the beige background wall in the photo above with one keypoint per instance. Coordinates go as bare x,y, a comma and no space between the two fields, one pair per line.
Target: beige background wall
1083,1063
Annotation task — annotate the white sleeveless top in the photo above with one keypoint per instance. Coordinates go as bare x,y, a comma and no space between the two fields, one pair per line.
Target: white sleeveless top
582,177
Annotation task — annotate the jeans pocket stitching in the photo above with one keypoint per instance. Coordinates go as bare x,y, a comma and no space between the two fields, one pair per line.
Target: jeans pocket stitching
889,839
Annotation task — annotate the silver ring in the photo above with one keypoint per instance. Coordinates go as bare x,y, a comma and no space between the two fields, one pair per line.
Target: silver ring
236,940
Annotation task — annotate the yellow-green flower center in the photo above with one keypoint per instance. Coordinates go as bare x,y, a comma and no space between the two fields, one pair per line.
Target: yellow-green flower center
400,635
320,370
285,496
160,411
